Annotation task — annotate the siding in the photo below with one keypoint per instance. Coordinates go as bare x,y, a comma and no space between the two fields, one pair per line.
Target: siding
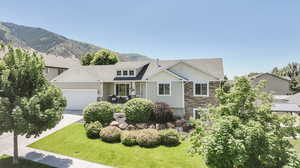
189,72
176,98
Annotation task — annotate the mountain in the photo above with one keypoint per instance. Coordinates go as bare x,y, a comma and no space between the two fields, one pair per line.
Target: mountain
51,43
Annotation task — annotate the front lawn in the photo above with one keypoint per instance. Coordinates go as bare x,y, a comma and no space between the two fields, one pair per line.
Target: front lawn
6,162
72,141
296,144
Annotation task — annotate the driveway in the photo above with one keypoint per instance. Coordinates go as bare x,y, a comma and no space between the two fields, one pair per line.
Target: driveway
6,139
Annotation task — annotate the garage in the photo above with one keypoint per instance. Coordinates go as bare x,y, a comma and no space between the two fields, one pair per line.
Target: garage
77,99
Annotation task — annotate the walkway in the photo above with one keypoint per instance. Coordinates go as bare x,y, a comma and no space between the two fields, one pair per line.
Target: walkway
52,159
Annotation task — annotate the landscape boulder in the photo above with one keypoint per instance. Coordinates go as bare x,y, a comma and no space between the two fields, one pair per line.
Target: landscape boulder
114,123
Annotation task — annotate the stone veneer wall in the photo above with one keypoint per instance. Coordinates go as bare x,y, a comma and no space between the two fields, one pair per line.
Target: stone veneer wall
191,101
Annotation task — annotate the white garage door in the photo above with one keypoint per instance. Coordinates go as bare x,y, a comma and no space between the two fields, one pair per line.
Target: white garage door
77,99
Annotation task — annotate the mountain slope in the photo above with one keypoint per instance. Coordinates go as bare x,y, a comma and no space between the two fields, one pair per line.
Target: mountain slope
51,43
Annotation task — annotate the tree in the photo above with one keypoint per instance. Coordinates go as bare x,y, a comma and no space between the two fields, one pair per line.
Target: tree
101,57
86,59
29,104
242,132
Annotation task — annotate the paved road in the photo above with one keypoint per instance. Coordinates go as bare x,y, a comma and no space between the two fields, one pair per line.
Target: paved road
52,159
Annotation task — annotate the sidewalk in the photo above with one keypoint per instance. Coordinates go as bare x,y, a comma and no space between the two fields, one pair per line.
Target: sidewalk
52,159
56,160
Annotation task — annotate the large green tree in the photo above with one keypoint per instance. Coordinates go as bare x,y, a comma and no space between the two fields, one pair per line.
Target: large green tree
242,132
101,57
29,104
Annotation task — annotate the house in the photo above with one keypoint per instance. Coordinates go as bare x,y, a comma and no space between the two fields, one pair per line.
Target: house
286,104
54,65
183,84
275,85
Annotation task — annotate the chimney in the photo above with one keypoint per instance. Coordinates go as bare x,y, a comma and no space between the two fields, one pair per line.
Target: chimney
157,62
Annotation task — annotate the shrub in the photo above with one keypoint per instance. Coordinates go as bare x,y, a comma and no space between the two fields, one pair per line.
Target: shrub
162,113
148,138
118,108
138,110
99,111
128,138
169,137
93,129
110,134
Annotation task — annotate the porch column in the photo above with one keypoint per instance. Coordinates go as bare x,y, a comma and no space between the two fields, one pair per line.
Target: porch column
100,91
133,87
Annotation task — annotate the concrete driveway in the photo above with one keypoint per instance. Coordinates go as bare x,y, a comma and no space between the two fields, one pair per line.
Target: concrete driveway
6,139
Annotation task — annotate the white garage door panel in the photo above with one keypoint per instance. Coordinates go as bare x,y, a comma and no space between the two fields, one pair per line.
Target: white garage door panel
77,99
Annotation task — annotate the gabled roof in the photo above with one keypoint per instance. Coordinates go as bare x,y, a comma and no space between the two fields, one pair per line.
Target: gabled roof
295,99
285,107
212,66
275,76
107,73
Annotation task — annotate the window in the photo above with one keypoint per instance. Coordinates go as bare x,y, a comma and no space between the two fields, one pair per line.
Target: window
164,89
119,73
125,73
60,70
122,89
201,89
131,73
196,113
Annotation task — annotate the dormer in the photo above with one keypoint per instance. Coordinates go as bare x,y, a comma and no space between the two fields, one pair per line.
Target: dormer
126,73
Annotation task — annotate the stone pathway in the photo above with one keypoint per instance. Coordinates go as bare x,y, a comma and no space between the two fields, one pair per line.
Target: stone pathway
52,159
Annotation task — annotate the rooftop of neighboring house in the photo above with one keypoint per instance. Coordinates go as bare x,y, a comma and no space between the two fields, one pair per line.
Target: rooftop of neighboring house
139,70
54,61
268,74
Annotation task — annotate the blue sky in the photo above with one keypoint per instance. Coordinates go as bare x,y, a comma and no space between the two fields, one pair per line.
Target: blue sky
250,35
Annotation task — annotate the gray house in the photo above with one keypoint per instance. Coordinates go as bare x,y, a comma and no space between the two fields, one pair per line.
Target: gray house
275,85
183,84
54,65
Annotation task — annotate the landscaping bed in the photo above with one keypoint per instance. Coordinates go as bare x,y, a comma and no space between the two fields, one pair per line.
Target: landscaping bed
72,141
6,162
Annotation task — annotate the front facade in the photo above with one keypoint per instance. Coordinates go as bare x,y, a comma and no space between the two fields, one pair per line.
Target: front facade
183,84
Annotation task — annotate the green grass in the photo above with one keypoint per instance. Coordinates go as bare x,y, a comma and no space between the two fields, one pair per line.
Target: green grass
6,162
296,144
72,141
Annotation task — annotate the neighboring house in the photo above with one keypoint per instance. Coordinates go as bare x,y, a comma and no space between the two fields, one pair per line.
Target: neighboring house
275,85
286,103
183,84
54,65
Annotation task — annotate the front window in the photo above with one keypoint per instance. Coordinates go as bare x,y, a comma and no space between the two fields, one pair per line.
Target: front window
122,89
164,89
125,73
131,73
119,73
201,89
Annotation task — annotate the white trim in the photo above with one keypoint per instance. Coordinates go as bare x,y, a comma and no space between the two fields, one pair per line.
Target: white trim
146,88
181,61
170,88
200,82
195,109
183,101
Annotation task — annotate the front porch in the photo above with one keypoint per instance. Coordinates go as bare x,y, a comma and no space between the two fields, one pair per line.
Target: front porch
121,92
